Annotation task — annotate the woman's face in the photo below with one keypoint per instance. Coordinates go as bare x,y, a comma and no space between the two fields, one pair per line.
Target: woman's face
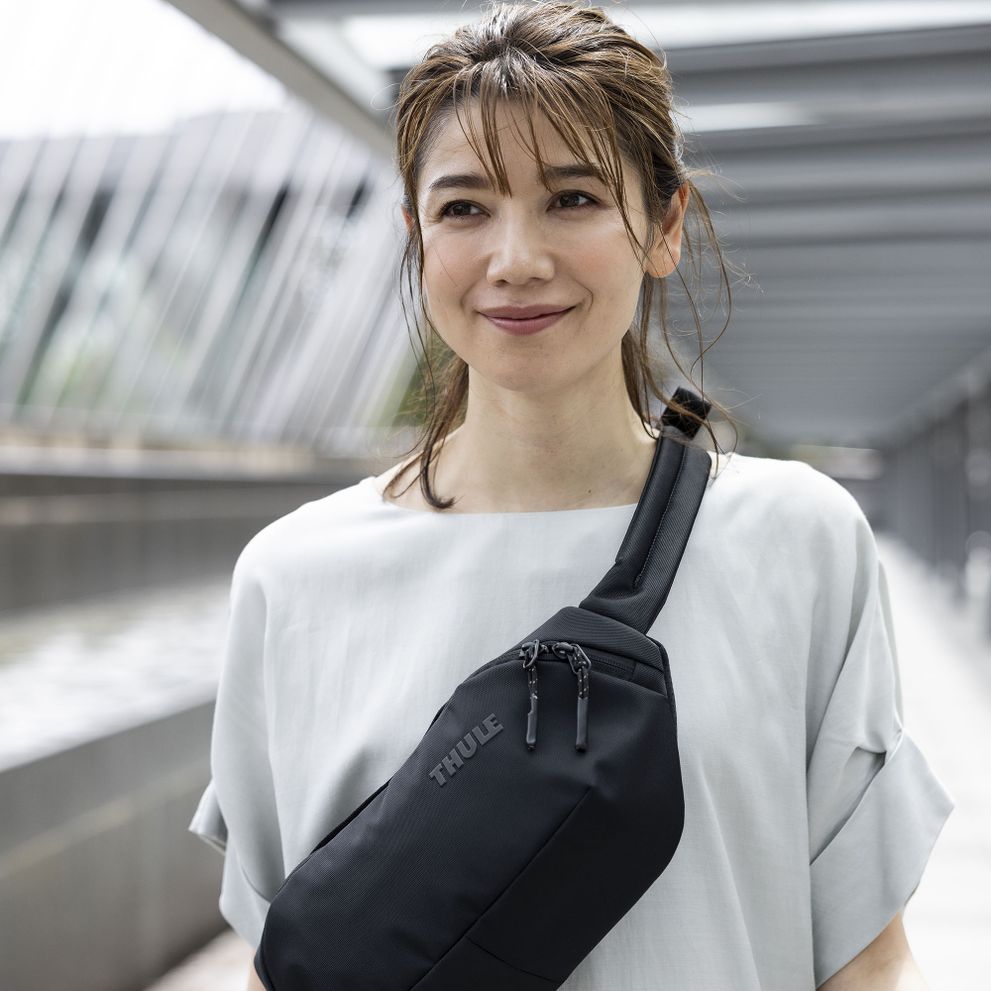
566,248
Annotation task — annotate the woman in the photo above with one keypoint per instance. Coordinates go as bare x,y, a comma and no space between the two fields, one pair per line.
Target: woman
545,199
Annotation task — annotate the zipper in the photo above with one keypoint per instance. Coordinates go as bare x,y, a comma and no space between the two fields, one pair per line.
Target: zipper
580,666
528,653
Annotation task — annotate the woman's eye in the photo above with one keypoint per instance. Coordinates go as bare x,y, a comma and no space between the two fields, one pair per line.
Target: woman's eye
446,211
453,209
585,196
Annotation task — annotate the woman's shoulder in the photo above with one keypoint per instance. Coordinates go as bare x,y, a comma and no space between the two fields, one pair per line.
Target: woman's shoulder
784,492
312,527
787,522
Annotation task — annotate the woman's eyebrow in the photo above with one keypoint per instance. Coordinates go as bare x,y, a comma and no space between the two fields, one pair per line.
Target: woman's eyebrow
474,180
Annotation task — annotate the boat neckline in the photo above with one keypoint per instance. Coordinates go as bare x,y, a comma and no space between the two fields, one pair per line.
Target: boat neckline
369,482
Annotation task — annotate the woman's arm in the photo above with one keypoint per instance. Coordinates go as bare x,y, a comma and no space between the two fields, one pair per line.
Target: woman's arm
886,964
254,981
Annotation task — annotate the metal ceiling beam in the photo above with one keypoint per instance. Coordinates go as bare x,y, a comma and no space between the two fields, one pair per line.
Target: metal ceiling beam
864,225
255,40
333,9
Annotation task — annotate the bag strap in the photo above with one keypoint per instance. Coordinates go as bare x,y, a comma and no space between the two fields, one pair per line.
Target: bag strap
636,587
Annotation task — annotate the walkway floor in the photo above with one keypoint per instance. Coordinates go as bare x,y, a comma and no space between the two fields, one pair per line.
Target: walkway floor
945,665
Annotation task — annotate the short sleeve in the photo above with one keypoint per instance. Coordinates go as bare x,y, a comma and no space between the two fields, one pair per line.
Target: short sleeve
237,812
875,808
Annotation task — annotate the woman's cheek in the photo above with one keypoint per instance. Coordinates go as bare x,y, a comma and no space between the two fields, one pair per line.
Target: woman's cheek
449,264
603,251
440,307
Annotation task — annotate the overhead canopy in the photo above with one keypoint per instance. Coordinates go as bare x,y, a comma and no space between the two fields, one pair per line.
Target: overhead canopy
854,140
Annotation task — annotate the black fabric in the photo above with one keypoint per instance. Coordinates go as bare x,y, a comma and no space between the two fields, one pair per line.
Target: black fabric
692,402
489,864
636,587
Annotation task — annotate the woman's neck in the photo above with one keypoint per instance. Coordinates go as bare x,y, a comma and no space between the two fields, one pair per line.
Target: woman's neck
502,466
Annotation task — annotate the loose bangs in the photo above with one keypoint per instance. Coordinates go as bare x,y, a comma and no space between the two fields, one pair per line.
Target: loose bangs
580,113
536,92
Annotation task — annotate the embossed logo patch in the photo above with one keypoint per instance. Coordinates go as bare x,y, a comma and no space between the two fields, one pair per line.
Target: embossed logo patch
466,748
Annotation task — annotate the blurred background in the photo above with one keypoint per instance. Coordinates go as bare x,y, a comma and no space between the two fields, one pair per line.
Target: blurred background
200,329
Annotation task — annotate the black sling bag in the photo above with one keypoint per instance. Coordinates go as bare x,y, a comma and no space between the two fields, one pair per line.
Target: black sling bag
526,823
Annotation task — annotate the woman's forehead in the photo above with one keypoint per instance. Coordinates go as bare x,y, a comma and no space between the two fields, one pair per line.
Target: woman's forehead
454,137
510,127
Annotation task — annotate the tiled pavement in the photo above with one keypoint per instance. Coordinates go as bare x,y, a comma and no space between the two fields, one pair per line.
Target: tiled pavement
222,965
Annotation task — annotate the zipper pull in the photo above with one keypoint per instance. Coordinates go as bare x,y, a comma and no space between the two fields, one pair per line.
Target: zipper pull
580,664
530,666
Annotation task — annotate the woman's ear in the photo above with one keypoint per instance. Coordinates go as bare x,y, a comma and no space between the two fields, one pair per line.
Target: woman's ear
666,253
408,217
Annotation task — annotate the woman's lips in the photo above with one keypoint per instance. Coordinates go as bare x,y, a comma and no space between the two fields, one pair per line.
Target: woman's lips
529,326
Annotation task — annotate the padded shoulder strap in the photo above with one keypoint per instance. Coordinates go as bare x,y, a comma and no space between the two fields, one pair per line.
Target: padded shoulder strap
635,588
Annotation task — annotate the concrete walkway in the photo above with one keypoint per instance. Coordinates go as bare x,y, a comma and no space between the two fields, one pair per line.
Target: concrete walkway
222,965
945,665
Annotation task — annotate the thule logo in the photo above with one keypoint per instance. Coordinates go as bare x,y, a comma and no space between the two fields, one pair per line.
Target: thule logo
466,748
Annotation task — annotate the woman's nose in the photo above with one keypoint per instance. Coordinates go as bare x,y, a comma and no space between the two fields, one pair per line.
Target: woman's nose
519,251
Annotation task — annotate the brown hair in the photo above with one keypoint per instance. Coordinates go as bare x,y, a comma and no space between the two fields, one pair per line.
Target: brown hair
550,58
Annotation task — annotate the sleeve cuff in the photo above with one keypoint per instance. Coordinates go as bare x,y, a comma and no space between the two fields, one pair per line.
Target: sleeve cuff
870,869
241,904
208,821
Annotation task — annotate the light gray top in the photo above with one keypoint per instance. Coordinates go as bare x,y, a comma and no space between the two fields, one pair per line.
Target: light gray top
810,813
